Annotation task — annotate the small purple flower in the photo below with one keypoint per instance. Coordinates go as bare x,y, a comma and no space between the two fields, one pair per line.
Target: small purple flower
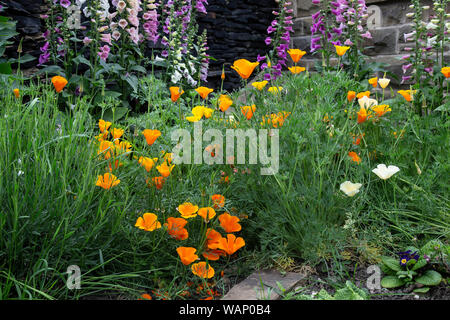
44,58
260,58
65,3
406,67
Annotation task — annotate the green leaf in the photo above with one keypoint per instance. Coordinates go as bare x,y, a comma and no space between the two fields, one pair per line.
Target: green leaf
430,278
5,68
421,263
422,290
391,282
4,19
391,263
83,60
138,69
443,108
133,81
113,94
119,113
51,70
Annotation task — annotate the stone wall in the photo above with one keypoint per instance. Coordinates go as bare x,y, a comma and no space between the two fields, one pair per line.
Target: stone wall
236,29
29,26
388,26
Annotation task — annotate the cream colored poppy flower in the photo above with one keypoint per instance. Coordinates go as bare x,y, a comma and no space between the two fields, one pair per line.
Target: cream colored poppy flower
384,172
350,188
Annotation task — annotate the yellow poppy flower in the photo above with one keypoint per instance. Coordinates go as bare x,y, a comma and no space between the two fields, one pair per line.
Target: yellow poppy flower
296,70
341,50
259,85
187,210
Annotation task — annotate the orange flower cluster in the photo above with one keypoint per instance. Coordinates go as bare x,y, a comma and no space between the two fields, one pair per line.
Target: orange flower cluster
275,119
113,148
212,245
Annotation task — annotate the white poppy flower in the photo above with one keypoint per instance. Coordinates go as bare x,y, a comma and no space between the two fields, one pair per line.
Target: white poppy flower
384,172
366,102
350,188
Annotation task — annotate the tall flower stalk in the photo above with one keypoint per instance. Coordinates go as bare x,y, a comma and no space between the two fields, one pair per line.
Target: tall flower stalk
279,37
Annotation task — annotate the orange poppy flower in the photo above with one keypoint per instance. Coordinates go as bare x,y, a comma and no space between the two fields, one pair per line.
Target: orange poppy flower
158,182
218,201
244,67
446,72
206,213
212,238
151,135
213,255
103,125
107,181
373,82
357,139
204,91
175,228
147,163
106,149
59,83
296,54
145,296
175,93
381,109
114,165
362,94
362,115
351,95
354,157
248,111
16,92
341,50
148,222
229,223
224,102
200,269
165,169
407,94
231,244
187,255
296,70
187,210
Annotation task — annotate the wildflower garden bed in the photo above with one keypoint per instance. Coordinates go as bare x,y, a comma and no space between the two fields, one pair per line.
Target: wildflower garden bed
124,176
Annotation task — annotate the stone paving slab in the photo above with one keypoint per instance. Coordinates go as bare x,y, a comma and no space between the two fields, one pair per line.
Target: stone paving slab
262,285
